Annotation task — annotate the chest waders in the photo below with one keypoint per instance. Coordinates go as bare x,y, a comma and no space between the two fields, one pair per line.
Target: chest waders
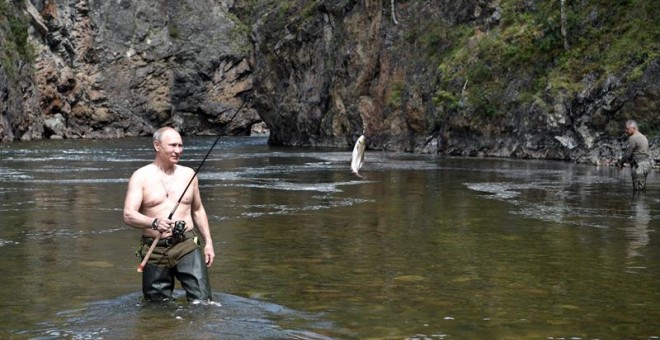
639,170
185,262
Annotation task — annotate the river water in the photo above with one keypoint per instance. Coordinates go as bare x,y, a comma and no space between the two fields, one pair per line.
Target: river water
424,247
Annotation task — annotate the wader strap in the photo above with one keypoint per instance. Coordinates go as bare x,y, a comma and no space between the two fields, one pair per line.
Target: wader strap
170,241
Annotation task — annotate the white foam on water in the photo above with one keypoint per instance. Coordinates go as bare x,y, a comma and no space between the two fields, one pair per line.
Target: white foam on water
66,169
555,211
7,243
76,181
499,190
66,233
8,174
254,211
227,317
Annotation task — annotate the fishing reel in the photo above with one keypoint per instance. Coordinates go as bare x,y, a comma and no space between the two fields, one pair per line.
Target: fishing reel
179,229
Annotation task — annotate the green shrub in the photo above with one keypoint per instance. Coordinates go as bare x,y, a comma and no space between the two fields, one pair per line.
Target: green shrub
15,44
395,99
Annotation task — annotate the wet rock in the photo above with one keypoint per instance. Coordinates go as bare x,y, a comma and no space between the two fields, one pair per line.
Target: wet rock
55,126
259,129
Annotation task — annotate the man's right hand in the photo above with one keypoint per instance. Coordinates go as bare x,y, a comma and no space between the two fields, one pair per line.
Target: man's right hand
164,226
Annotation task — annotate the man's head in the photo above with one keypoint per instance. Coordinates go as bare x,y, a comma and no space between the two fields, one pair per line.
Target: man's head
167,144
631,127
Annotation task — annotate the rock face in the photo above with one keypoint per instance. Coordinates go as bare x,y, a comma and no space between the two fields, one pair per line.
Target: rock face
496,78
105,69
328,71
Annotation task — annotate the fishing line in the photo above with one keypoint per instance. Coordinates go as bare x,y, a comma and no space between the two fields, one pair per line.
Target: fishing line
199,167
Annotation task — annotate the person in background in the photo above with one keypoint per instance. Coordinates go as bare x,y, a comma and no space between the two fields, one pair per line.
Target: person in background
637,155
152,195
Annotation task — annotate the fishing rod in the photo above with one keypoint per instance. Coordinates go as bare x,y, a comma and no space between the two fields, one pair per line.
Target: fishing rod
157,238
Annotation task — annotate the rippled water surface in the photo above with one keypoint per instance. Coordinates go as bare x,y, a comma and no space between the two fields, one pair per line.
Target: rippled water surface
423,247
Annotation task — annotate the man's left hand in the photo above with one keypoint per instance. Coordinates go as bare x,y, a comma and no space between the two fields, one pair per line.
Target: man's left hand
209,254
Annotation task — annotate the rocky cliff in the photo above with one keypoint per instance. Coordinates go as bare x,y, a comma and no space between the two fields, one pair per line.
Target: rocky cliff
506,78
475,78
100,69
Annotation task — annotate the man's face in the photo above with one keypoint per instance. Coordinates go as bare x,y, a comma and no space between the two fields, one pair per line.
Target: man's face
630,130
170,146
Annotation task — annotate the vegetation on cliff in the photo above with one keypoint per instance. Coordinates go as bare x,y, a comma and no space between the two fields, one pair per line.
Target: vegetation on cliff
602,38
15,49
519,78
510,78
16,67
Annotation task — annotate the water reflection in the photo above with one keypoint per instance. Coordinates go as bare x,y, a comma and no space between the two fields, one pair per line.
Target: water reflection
425,247
229,317
638,233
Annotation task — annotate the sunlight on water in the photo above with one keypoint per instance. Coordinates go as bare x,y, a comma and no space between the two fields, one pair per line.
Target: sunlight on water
425,248
7,243
499,190
228,317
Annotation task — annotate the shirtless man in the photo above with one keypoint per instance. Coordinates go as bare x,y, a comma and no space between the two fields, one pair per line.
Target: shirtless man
152,195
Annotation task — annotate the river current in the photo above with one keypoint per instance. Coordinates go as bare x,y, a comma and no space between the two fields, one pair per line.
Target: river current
424,247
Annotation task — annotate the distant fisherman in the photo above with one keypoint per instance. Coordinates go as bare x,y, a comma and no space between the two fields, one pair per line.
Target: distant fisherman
637,155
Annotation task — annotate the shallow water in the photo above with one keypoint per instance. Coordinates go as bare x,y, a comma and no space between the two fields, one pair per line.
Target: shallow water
424,247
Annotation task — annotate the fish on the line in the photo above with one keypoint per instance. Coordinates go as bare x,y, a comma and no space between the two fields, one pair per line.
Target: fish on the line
357,158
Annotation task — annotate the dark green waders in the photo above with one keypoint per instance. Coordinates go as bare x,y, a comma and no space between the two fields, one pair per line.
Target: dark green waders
183,261
639,171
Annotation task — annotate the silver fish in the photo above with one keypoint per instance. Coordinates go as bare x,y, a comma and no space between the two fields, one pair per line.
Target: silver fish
357,159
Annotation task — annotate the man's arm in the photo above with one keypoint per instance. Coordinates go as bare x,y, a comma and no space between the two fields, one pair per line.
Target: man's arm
202,223
132,203
627,154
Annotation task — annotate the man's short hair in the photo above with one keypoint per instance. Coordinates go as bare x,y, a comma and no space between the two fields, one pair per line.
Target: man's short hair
631,123
159,133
